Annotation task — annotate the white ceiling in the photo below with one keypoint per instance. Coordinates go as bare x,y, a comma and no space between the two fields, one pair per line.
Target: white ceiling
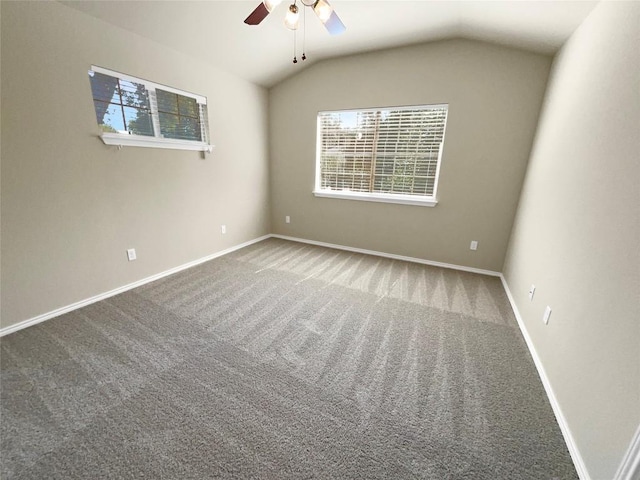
215,32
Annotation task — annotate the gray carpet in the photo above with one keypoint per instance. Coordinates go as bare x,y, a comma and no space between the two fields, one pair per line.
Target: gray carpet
282,361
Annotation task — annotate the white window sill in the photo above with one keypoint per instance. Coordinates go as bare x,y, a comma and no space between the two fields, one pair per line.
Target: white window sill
122,140
378,197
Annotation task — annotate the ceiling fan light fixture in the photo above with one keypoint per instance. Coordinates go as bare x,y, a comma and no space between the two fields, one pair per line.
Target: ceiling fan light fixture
323,10
271,4
291,20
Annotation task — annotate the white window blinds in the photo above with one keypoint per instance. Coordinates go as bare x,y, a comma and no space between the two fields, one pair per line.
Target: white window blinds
393,151
137,112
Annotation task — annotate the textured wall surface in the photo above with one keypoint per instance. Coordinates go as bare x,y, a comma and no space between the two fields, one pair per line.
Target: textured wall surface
577,235
71,206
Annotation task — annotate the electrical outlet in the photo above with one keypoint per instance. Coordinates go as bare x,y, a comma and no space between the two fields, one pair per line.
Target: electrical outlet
547,314
474,245
287,219
532,291
223,229
131,254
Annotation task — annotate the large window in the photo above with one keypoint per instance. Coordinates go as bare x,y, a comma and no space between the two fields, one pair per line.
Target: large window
384,154
132,111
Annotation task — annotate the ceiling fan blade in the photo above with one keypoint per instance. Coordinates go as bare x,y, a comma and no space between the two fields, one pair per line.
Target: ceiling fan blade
334,25
328,17
259,14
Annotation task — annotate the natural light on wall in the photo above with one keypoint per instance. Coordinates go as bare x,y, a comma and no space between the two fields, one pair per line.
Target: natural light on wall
135,112
382,155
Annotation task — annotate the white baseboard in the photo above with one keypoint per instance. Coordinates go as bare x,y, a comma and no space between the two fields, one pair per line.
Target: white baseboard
83,303
578,462
388,255
88,301
630,467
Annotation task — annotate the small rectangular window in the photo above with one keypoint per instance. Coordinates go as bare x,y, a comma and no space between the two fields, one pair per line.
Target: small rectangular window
132,111
383,154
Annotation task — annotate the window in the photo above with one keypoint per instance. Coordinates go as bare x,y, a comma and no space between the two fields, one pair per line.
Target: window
383,155
136,112
179,116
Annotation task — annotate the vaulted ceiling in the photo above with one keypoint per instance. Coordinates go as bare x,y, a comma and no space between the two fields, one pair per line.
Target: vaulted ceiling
214,31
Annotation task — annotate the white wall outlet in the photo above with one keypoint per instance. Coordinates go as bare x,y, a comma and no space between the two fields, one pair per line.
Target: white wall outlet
131,254
287,219
532,291
547,314
223,229
474,245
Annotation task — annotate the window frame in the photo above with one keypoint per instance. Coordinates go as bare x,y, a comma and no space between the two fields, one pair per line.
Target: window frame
157,141
404,199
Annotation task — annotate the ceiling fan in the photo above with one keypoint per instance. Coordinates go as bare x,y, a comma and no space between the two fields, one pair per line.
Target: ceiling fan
322,9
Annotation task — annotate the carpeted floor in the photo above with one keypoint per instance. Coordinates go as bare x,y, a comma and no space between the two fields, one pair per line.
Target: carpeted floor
282,361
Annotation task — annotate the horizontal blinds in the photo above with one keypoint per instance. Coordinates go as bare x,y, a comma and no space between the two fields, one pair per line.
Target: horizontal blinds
204,123
391,151
179,116
347,146
148,84
128,105
121,106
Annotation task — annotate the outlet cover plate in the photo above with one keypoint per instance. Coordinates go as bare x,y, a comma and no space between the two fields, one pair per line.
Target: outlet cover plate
547,314
131,254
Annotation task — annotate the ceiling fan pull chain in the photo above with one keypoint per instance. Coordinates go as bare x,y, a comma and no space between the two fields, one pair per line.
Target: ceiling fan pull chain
295,60
304,33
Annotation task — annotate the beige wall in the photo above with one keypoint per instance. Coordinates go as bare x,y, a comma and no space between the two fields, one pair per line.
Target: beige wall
577,235
494,95
71,206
